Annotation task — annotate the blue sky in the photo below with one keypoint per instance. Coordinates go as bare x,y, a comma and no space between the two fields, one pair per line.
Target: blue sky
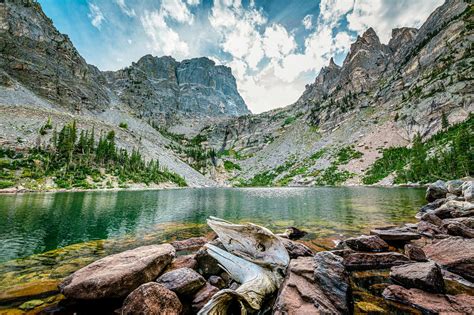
274,47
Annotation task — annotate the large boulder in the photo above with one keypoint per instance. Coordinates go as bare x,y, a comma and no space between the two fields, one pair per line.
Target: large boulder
454,209
428,229
432,218
430,303
436,190
426,276
183,281
459,229
115,276
455,254
402,234
366,261
296,249
371,243
432,205
184,261
455,187
150,299
468,191
299,293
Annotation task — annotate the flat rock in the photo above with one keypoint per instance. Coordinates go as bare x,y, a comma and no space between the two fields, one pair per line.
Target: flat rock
365,261
454,253
193,243
429,229
426,276
432,218
371,243
202,296
436,190
414,253
151,298
183,281
296,249
185,261
115,276
459,229
396,234
430,303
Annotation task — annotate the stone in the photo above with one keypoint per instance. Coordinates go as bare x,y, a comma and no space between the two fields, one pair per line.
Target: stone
202,296
454,208
468,191
459,229
185,261
207,266
115,276
432,205
436,190
396,234
455,187
368,308
193,243
182,281
428,229
425,276
455,254
152,298
432,218
294,233
296,249
29,305
217,282
372,243
333,279
415,253
365,261
430,303
299,293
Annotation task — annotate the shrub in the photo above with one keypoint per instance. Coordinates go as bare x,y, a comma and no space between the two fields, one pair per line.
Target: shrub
123,125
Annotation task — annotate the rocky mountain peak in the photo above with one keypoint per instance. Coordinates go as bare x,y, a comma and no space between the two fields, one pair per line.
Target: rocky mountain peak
332,64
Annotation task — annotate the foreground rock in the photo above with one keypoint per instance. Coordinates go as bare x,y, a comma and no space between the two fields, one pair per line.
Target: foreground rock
193,243
454,209
152,298
423,275
415,253
316,285
437,190
372,243
115,276
396,234
455,254
203,296
430,303
365,261
296,249
185,261
183,281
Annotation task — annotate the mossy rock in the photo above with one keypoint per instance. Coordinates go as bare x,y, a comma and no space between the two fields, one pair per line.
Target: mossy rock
29,305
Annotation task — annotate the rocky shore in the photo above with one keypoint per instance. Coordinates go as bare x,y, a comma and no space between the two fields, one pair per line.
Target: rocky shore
426,267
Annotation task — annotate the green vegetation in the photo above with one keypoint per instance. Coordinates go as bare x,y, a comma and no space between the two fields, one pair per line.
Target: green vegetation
332,176
448,154
230,166
72,159
288,121
123,125
347,154
266,178
317,155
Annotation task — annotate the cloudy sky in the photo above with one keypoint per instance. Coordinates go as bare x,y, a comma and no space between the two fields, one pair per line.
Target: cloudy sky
274,47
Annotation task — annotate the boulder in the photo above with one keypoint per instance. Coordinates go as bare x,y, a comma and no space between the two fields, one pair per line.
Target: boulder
396,234
428,229
208,266
365,261
426,276
454,209
414,253
296,249
455,254
455,187
432,218
151,298
294,233
371,243
217,282
115,276
436,190
202,296
468,191
185,261
333,279
183,281
432,205
299,293
430,303
193,243
459,229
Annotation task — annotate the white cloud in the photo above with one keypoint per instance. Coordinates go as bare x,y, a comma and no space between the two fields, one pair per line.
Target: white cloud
125,9
384,15
308,22
193,2
96,15
277,43
177,10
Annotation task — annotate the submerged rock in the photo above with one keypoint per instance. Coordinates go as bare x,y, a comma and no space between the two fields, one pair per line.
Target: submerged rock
151,298
364,261
436,190
422,275
430,303
183,281
454,253
115,276
371,243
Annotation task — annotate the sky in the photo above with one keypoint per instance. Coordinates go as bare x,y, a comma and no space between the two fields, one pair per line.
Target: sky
274,47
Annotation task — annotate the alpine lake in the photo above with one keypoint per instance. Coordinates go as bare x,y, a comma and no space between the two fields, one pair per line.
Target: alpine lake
44,237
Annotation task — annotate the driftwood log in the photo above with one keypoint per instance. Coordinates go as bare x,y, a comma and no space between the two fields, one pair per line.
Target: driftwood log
254,257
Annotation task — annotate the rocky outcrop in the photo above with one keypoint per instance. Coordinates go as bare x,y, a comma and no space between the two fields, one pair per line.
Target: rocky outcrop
151,298
437,190
423,275
115,276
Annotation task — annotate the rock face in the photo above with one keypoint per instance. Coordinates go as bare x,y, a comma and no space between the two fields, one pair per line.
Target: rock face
151,298
183,281
364,243
430,303
423,275
455,254
115,276
364,261
162,86
318,285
